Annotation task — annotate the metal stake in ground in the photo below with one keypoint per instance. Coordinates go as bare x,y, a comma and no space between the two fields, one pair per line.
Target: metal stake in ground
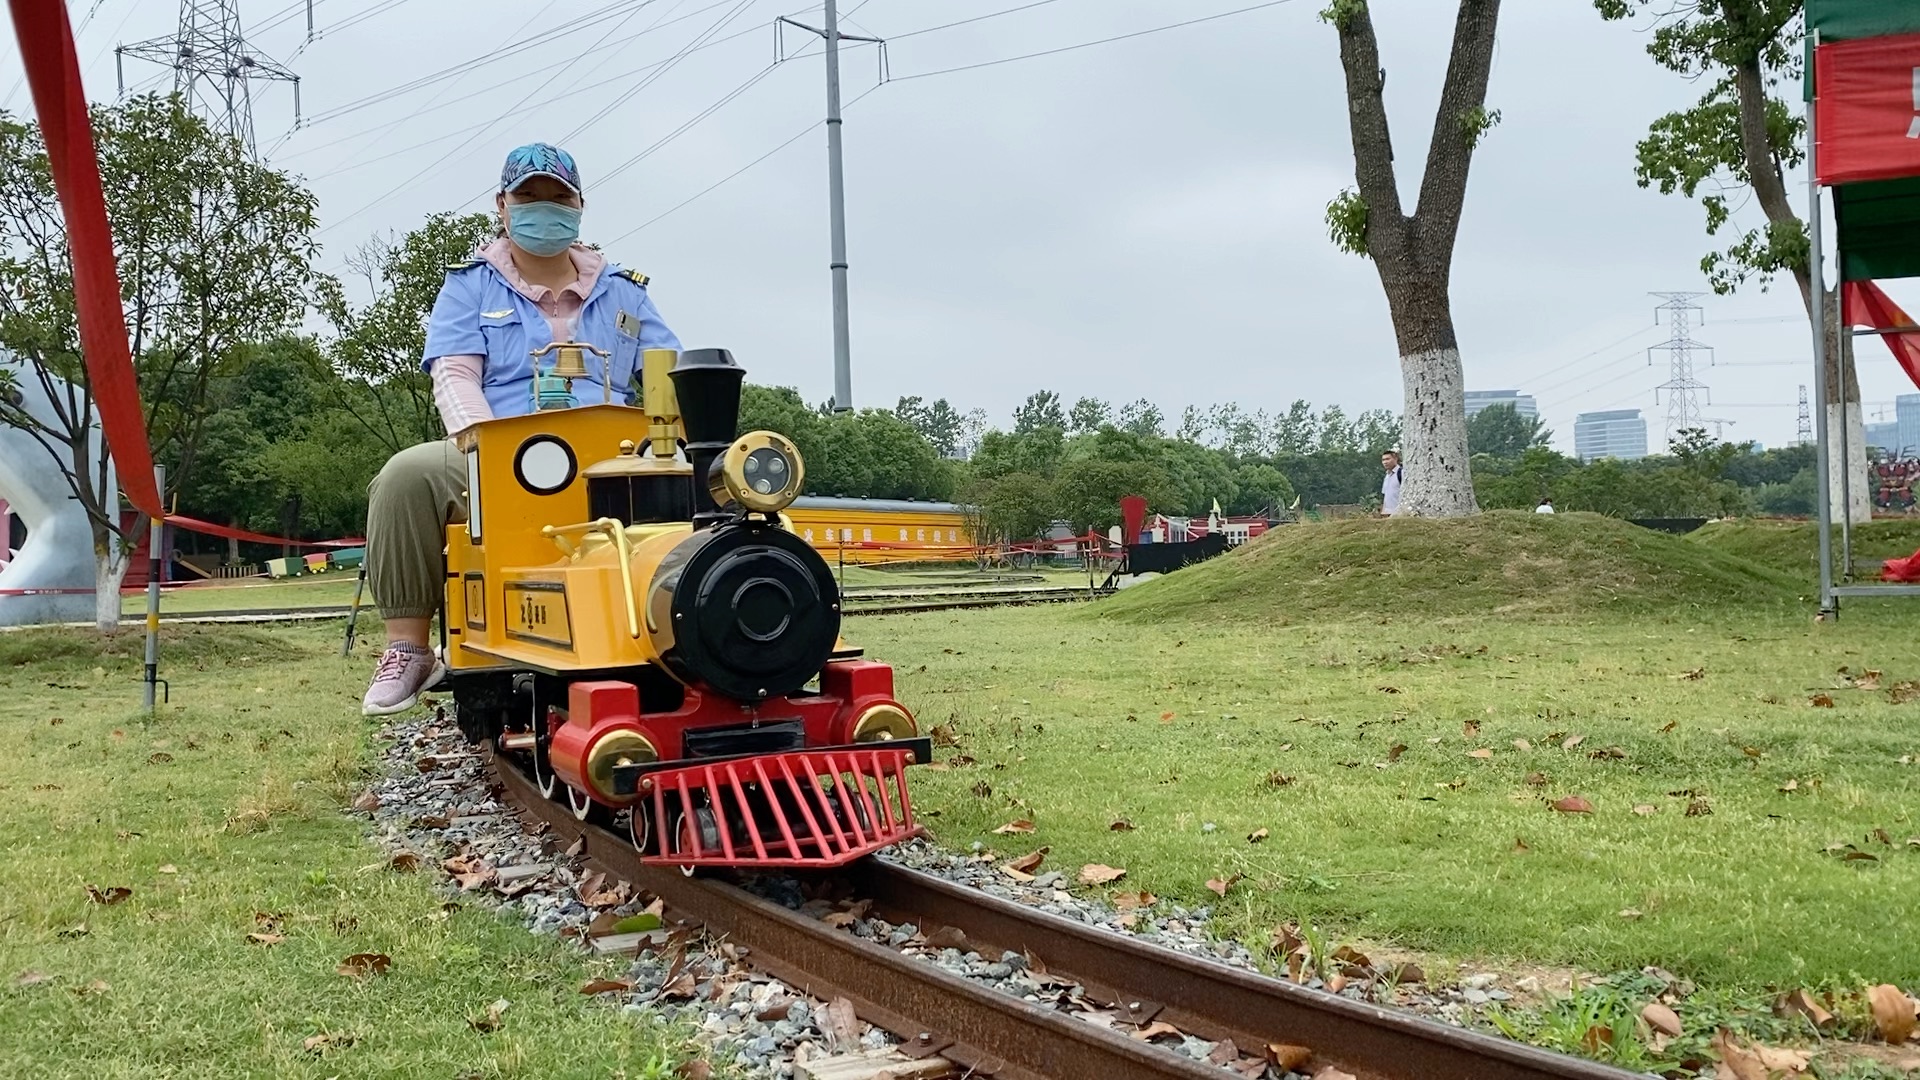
837,201
156,532
353,612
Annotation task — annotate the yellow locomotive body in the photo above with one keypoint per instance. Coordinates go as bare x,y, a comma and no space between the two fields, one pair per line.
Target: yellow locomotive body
628,614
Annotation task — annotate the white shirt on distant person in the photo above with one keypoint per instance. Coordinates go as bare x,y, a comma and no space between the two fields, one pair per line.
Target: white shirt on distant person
1545,507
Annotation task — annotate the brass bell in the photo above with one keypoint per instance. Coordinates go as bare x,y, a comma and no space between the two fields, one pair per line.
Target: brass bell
571,363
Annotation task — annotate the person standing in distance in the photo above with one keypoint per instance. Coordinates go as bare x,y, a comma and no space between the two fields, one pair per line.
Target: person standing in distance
1390,483
535,284
1545,507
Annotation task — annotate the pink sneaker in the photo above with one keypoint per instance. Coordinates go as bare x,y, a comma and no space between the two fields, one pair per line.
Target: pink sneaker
404,671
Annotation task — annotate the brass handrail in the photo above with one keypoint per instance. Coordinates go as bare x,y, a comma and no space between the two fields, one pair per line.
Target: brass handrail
617,533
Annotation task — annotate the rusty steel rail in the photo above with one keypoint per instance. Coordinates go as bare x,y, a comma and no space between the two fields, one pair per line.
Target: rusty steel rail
994,1034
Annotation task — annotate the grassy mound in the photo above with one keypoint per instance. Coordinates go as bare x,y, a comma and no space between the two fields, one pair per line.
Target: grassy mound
1503,562
1793,547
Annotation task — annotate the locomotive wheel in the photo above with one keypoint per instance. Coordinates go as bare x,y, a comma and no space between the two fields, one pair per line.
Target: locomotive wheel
702,823
640,827
579,802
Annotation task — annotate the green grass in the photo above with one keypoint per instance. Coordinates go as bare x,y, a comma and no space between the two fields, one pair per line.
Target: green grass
1793,547
1503,563
317,590
238,789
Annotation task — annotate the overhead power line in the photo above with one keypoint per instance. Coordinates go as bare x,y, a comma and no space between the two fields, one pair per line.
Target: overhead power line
1088,44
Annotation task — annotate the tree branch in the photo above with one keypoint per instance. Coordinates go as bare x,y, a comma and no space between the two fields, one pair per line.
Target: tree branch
1367,120
1443,190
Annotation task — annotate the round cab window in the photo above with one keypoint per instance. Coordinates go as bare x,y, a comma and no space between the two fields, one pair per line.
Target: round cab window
544,465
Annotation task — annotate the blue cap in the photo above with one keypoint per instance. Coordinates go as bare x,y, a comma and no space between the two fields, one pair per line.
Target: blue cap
539,159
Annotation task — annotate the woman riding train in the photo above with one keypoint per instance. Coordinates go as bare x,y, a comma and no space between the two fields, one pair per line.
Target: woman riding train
535,284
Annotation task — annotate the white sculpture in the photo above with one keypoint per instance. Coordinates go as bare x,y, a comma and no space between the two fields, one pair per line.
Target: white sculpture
58,554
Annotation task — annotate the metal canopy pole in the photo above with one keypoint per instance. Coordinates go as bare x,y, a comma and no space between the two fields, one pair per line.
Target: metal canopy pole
1828,604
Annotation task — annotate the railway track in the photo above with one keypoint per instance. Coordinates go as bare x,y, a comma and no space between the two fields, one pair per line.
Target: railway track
860,603
988,1033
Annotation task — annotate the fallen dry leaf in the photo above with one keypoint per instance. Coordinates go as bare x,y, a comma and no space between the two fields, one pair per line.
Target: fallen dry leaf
1595,1037
1791,785
32,978
1803,1003
1120,825
1573,741
1288,1057
366,963
1014,828
1667,728
1631,913
1406,972
113,895
404,861
1535,779
1893,1013
1821,701
1573,804
1741,1063
1276,778
1483,754
491,1021
1156,1030
842,1024
1469,729
1661,1019
1097,874
265,938
1134,901
1692,676
1389,689
316,1044
1394,751
1029,862
606,986
1522,745
169,868
694,1069
1221,885
367,803
1699,808
1646,809
1520,845
1257,835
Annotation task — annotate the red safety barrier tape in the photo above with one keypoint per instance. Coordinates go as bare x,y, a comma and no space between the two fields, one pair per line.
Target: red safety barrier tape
60,100
211,529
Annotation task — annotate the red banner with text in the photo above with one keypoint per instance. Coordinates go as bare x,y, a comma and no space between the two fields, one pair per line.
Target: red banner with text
1867,109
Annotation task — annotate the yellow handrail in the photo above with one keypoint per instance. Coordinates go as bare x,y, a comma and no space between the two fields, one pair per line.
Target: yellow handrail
617,533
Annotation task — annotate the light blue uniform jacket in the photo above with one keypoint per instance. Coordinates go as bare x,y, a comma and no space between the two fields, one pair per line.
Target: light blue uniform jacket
478,313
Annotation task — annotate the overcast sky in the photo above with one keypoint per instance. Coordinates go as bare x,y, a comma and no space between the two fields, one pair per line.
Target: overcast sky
1139,218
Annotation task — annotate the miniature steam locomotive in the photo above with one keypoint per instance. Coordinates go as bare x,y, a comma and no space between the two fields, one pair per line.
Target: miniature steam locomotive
633,623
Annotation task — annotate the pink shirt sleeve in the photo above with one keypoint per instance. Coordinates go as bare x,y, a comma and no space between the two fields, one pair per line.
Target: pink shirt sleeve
457,392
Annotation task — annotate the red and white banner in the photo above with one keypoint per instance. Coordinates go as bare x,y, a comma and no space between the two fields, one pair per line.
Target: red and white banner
1862,303
1867,109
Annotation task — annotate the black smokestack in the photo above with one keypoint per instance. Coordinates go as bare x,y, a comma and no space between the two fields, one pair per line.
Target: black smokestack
707,382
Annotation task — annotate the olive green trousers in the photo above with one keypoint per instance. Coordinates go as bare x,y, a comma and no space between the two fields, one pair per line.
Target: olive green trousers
417,494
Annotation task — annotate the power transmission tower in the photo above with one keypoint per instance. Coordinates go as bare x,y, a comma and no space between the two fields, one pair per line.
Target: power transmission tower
836,194
1684,392
213,66
1803,431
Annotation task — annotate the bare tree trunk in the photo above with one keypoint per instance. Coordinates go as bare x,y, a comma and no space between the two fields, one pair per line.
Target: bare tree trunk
1414,253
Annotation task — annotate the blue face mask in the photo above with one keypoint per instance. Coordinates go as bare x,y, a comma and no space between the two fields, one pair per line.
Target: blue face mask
543,228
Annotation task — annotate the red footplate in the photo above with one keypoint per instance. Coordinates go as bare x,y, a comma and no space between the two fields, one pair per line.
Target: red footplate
805,808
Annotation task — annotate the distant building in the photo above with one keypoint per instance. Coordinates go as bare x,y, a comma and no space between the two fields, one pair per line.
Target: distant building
1614,433
1522,403
1899,436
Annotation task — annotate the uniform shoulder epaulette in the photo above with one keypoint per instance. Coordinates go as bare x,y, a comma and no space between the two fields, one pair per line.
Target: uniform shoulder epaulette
464,264
634,276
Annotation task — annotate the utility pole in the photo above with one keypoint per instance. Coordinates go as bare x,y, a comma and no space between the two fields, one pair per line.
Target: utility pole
213,66
836,197
1803,429
1683,390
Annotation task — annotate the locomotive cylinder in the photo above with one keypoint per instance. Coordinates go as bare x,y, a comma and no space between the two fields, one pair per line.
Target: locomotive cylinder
601,731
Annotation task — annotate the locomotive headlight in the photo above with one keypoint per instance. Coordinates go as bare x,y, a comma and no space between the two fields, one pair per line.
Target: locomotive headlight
761,471
884,723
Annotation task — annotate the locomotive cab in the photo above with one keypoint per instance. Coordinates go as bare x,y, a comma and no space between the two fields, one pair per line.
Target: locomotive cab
630,619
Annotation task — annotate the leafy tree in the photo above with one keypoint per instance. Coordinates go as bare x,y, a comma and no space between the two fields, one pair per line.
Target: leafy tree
939,423
1414,253
214,253
1297,432
1501,431
1261,488
1336,433
1740,139
1087,492
1037,452
1014,507
1089,414
1041,410
1143,417
1377,431
381,344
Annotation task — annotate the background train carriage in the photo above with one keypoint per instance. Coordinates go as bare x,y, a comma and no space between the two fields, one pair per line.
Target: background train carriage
881,530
